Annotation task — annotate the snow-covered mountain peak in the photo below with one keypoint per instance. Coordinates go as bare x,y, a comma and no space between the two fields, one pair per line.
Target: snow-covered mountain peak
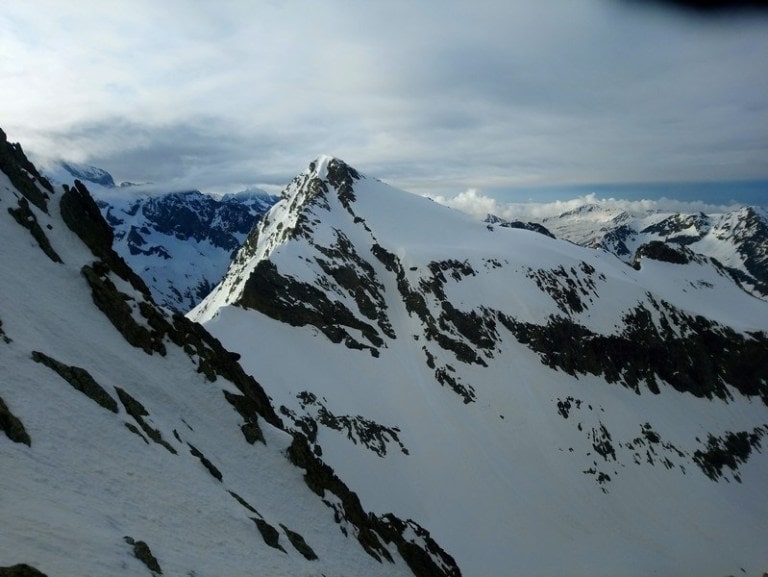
131,435
438,354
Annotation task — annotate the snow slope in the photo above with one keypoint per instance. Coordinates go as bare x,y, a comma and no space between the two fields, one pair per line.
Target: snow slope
545,408
131,442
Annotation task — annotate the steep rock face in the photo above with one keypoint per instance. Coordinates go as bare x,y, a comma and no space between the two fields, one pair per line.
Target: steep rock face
134,437
161,236
425,355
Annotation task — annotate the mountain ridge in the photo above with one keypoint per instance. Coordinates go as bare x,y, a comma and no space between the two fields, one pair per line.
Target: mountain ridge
133,437
161,234
737,238
442,354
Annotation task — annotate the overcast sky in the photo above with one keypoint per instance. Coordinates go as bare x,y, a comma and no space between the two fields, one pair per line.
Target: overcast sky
432,96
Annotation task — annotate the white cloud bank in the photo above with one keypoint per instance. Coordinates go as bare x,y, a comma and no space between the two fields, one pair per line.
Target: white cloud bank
475,203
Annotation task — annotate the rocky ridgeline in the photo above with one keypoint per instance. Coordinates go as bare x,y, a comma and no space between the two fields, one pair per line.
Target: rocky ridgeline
737,239
126,301
344,297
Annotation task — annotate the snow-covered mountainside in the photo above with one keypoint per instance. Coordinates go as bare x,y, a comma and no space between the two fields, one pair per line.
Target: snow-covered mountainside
738,239
543,407
180,243
133,443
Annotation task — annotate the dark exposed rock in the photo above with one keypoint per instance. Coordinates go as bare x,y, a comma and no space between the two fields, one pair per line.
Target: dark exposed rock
136,410
370,434
414,301
23,174
356,275
21,570
244,503
730,450
143,553
428,560
320,478
602,442
270,535
532,226
115,305
297,303
299,544
26,218
342,177
12,426
216,360
81,214
674,228
615,240
371,529
658,250
570,290
5,338
215,473
80,379
477,328
700,362
751,237
132,428
249,410
444,377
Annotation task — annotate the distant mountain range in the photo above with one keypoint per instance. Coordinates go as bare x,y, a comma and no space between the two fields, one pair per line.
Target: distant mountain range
738,240
180,243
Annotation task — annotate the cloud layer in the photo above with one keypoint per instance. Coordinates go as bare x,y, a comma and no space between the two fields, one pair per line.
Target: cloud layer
432,96
479,205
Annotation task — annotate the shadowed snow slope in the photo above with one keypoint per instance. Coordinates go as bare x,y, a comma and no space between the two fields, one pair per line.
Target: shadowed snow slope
131,442
544,408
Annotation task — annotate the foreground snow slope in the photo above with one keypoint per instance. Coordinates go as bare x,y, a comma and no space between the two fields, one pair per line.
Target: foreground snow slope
545,408
132,443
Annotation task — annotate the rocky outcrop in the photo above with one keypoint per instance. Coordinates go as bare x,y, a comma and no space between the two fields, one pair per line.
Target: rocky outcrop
12,426
23,174
429,561
80,379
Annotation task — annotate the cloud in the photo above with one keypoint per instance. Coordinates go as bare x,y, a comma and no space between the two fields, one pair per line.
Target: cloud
434,98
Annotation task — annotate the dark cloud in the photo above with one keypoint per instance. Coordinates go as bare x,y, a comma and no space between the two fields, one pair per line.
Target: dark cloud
201,152
717,8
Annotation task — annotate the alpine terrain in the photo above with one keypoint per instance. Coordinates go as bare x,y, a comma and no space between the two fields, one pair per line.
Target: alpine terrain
133,443
179,243
544,408
737,239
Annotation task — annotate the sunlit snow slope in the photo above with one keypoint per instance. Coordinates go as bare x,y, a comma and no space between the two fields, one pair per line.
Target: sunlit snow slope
545,408
132,443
